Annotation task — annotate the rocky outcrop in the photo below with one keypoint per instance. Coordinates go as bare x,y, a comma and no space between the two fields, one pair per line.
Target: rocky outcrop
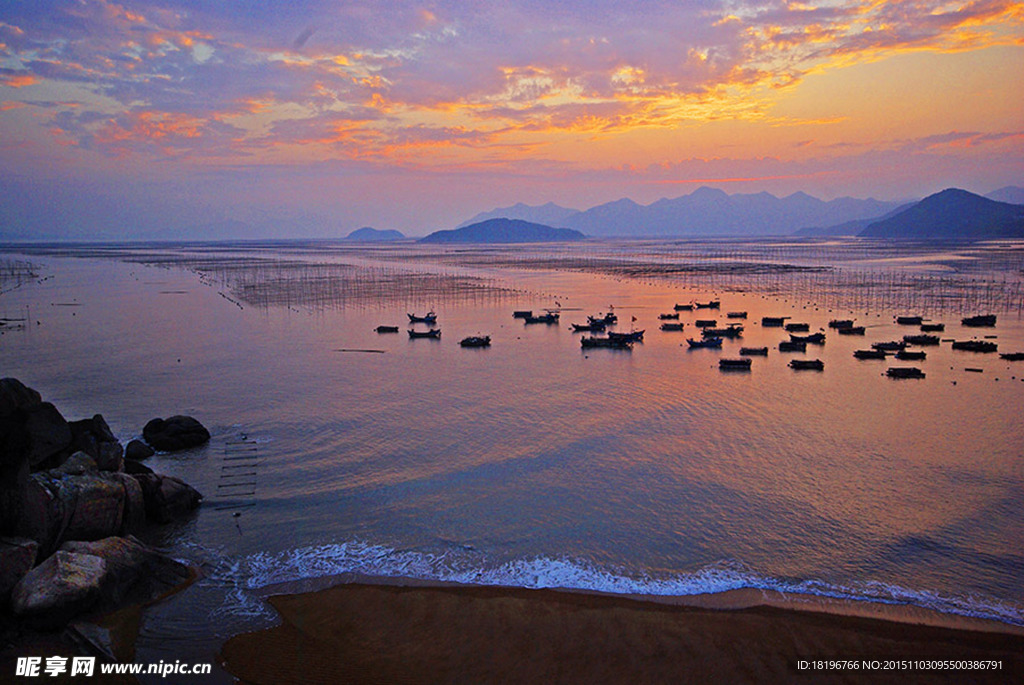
17,557
175,433
167,498
94,437
95,576
136,450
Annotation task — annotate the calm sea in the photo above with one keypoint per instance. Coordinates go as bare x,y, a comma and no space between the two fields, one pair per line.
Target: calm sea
534,463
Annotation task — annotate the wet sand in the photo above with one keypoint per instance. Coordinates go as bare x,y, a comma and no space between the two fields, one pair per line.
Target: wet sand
371,633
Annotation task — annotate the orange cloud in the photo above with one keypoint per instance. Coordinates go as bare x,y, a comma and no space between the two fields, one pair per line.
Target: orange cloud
18,80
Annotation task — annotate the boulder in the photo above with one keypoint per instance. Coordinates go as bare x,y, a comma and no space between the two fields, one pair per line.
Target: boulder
46,509
94,437
77,464
47,433
166,497
134,513
15,395
63,586
135,572
135,467
137,451
175,433
17,557
98,507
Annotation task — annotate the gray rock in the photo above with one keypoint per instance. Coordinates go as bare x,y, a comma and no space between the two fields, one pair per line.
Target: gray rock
134,513
63,586
98,510
138,450
133,467
77,464
175,433
17,557
15,395
135,572
48,434
94,437
167,498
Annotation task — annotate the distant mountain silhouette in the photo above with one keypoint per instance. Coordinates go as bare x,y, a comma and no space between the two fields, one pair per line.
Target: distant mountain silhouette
503,231
368,234
849,227
1011,194
712,212
548,214
952,214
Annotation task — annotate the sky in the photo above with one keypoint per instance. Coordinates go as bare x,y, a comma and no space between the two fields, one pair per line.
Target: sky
300,118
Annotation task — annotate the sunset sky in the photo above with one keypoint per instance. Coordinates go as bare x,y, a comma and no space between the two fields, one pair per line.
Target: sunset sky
312,118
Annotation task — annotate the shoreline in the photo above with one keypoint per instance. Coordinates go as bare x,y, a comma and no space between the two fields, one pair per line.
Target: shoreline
344,629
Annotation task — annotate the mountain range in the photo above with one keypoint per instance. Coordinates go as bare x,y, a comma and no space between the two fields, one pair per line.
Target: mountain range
367,234
952,214
504,231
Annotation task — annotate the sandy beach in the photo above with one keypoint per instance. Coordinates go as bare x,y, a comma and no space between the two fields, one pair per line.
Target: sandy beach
362,633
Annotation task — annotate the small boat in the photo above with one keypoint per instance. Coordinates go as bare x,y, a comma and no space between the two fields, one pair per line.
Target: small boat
434,333
797,327
754,351
1012,356
933,327
813,338
671,326
891,346
730,332
870,354
607,319
429,317
812,364
549,318
593,327
908,356
975,346
606,342
734,364
705,323
904,372
909,320
522,313
851,330
632,336
713,304
706,342
667,317
476,341
840,323
736,315
921,339
790,346
773,321
982,320
386,329
683,307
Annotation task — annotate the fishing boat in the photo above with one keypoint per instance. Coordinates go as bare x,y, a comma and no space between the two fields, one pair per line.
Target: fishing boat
632,336
921,339
891,346
683,307
730,332
433,333
933,327
706,342
734,364
549,318
851,330
522,313
593,327
909,320
1012,356
812,364
608,319
736,315
870,354
386,329
840,323
606,342
713,304
754,351
975,346
430,317
813,338
476,341
982,320
667,317
705,323
908,356
790,346
671,326
773,321
904,372
797,327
